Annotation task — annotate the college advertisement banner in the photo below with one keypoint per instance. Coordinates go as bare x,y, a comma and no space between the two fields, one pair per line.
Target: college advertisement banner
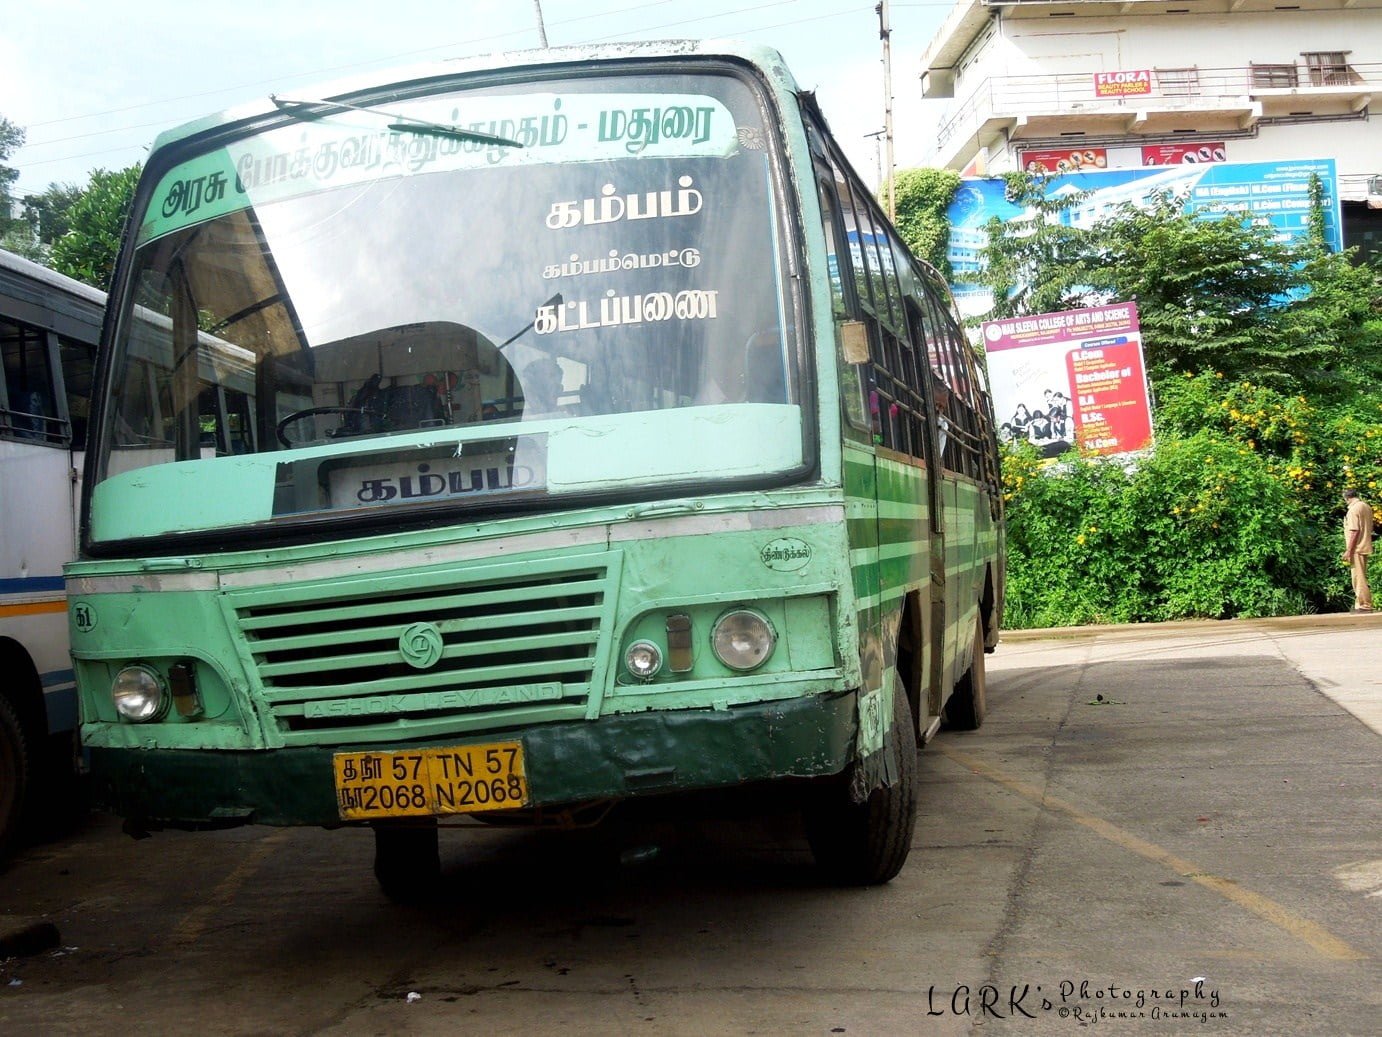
1071,378
1062,160
1187,154
1276,192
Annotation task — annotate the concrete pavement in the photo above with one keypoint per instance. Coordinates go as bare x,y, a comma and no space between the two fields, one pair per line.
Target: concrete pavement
1348,671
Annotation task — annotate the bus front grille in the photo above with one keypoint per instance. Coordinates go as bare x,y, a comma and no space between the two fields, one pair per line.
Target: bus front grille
432,653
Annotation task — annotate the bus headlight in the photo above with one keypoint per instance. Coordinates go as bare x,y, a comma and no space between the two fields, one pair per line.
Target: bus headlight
643,659
742,640
139,694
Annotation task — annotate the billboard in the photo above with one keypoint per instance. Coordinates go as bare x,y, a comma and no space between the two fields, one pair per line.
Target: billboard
1062,160
1277,192
1071,378
1187,154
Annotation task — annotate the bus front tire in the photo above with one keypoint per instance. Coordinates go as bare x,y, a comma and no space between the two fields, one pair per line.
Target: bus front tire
967,706
407,863
15,772
866,844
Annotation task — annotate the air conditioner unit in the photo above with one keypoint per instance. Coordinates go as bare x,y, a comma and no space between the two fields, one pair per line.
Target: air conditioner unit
1375,192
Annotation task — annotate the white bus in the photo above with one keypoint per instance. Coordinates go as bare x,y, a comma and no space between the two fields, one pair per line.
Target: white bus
49,326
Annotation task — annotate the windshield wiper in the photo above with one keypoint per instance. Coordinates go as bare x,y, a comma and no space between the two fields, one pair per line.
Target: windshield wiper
404,123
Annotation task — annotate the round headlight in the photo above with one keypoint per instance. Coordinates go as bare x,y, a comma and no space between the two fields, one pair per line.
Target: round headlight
742,640
643,659
139,694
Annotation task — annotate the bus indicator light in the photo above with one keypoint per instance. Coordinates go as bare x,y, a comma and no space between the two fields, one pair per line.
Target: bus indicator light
679,643
182,681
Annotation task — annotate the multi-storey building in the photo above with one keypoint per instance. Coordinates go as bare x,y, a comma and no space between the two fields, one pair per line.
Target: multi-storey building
1097,83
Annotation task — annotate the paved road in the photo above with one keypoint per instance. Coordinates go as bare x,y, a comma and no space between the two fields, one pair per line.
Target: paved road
1147,811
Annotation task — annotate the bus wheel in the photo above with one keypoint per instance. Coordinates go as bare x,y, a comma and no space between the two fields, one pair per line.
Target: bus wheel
406,861
14,776
966,708
865,844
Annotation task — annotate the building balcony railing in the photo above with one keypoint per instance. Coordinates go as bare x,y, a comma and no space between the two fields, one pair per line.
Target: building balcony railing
1163,100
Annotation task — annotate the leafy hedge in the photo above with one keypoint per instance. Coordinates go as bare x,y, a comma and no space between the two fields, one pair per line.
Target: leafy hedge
1235,513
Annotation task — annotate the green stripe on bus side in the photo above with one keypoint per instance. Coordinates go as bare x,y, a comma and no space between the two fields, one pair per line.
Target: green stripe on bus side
861,523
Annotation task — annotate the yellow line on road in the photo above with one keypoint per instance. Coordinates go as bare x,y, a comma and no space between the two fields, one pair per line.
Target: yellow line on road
194,923
1319,939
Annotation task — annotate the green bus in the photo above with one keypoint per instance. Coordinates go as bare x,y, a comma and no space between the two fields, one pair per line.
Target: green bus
517,436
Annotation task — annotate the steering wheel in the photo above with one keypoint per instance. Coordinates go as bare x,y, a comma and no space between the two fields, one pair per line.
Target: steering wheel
298,415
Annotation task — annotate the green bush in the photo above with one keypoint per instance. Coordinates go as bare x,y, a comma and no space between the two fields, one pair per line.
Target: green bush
1236,512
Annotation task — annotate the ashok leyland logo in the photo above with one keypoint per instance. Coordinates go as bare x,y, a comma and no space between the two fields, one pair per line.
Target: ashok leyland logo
420,645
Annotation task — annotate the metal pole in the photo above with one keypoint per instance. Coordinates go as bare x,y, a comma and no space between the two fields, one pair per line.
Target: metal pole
885,34
541,28
877,136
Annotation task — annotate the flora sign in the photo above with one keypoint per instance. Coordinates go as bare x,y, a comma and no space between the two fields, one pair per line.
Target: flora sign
1123,84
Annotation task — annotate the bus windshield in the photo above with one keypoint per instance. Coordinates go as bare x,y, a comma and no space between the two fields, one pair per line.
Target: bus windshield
469,298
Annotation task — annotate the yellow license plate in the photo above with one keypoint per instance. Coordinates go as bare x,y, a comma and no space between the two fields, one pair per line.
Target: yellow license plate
465,779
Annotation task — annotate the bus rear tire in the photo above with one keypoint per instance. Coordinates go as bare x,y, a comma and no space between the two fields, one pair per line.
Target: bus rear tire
16,765
967,707
407,863
866,844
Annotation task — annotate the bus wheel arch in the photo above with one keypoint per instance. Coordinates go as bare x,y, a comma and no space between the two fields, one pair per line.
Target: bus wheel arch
16,764
988,611
22,689
866,844
911,658
23,726
967,706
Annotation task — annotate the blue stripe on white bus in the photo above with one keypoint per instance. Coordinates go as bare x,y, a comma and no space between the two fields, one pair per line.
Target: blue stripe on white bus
30,584
57,678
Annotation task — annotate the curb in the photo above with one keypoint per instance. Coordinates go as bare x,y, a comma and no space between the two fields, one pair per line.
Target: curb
1215,627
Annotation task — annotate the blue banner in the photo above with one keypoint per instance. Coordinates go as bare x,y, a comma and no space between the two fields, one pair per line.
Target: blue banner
1277,192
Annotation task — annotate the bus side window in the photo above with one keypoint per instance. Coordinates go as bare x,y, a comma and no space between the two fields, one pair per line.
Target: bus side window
28,408
894,401
952,365
77,359
851,381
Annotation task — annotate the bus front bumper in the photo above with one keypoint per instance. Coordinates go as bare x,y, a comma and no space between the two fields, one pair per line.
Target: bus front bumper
614,757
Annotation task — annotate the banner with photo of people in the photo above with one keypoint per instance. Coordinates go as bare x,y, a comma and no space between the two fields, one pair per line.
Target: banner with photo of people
1071,378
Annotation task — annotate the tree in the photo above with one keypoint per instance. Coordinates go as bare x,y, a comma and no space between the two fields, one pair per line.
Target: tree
14,231
1037,263
96,222
1213,293
48,211
922,198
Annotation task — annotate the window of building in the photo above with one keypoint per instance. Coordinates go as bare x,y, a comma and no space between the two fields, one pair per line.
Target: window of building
1329,67
1269,77
1178,82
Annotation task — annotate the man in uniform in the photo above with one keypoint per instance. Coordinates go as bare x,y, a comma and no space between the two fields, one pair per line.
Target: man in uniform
1358,547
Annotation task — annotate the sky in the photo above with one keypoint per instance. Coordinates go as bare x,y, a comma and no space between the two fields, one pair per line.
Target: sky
93,82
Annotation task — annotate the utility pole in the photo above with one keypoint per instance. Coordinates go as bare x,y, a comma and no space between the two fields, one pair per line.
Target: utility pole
885,33
877,137
541,28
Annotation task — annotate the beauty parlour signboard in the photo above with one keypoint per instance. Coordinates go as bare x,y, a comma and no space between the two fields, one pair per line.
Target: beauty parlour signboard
1134,83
